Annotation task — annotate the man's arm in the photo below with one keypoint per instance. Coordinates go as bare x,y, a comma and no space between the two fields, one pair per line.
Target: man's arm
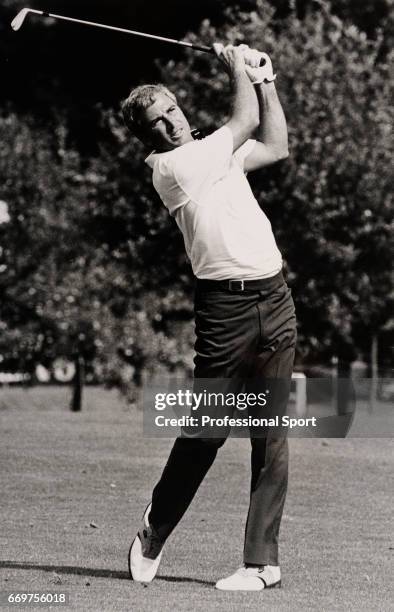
198,164
245,112
272,143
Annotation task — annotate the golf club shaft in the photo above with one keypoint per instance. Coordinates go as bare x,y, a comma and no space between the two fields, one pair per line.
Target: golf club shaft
126,31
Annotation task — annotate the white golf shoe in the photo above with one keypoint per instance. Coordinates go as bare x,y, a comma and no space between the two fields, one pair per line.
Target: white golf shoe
251,579
145,552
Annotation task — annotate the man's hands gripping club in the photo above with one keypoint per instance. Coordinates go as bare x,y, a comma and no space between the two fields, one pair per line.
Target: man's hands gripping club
256,64
256,72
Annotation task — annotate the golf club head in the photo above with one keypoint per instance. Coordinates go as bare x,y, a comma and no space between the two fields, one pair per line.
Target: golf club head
17,22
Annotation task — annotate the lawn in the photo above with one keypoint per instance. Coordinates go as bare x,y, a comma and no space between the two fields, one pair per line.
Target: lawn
74,485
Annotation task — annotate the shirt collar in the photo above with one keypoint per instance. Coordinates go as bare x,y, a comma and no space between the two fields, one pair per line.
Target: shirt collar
152,158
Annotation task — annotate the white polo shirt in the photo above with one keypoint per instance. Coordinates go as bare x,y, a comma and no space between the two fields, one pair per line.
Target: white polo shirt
203,185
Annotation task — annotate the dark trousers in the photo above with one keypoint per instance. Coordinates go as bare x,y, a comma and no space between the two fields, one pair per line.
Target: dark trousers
242,337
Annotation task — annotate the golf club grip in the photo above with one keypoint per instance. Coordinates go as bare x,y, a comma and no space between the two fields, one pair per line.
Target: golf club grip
203,48
211,50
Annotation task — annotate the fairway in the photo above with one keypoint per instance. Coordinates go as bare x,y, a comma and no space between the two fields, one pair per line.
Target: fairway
74,485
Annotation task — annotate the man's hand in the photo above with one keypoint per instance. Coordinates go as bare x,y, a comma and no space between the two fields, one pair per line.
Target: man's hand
252,57
263,74
259,74
232,57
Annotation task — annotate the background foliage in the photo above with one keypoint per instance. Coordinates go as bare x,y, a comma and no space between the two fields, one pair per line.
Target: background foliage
90,263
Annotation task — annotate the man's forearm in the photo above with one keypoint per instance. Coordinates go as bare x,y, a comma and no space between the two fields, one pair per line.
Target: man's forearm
245,112
245,102
272,128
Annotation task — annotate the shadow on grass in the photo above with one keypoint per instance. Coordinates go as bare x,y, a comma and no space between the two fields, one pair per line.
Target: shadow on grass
93,572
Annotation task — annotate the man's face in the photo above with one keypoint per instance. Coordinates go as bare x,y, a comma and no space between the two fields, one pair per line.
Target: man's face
165,126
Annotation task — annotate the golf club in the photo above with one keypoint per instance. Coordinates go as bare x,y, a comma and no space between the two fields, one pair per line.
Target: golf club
18,21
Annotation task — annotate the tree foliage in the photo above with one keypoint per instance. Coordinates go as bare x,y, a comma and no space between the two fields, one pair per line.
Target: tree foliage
330,203
90,262
83,263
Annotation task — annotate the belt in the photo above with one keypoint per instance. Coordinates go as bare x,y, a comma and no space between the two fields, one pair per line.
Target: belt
206,284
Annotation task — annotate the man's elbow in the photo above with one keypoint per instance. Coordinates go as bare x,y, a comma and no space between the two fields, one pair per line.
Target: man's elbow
283,154
280,153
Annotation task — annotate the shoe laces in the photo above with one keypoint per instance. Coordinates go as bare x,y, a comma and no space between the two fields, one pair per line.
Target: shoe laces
250,571
152,541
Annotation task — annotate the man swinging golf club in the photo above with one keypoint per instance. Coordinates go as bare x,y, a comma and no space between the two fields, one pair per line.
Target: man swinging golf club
245,319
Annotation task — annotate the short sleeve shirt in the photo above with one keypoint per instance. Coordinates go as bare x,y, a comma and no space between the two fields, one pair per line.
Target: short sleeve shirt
204,187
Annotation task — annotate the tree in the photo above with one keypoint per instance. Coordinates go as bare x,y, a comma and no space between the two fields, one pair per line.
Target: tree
76,277
93,268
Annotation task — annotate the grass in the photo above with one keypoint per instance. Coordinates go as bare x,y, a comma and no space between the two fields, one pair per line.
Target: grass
73,487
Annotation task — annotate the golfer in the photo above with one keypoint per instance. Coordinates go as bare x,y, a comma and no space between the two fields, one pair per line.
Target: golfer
245,318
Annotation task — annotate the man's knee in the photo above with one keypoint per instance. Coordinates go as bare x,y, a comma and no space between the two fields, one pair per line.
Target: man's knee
200,443
213,442
270,446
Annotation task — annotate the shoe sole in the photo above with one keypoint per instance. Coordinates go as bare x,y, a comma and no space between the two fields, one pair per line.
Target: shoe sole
129,558
130,551
275,585
132,544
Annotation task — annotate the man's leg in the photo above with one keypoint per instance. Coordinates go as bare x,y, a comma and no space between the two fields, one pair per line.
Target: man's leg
222,340
268,492
269,456
188,463
271,370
